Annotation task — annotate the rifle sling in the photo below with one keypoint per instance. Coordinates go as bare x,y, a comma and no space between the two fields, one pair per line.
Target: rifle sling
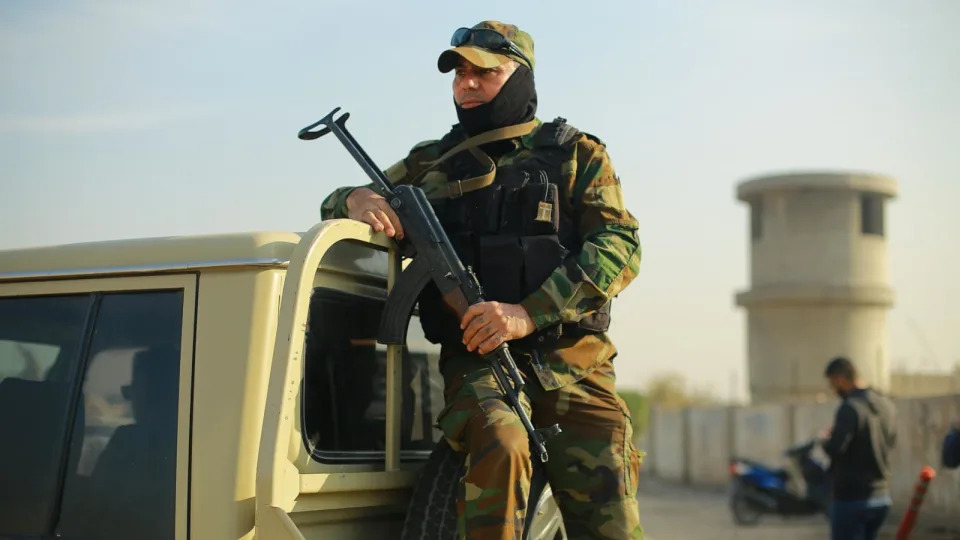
456,189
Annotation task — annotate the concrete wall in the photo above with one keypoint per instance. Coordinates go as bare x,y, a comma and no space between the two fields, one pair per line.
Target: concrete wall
667,444
762,432
921,427
905,384
709,449
810,419
694,445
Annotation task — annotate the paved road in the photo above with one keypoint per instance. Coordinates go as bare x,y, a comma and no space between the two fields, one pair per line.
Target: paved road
676,513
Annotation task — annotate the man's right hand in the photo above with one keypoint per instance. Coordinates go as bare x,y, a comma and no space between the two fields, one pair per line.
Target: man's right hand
366,205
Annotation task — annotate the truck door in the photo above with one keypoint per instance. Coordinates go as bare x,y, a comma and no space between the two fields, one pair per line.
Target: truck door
95,378
348,422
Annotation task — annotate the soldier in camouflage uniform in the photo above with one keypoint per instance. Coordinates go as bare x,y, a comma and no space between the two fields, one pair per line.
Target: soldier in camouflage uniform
495,169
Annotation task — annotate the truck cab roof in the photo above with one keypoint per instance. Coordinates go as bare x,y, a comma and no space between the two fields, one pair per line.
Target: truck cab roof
170,253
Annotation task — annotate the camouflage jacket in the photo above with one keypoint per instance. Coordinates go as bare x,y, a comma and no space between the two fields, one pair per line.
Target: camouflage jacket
607,262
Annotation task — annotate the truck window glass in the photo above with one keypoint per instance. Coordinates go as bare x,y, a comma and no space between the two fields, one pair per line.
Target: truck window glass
344,386
40,342
124,483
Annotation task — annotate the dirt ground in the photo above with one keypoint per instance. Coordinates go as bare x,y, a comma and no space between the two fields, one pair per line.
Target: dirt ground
670,512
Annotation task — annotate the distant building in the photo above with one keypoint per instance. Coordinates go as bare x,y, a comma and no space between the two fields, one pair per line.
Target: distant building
819,285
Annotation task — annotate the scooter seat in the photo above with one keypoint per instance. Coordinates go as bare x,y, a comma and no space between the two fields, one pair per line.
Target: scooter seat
750,463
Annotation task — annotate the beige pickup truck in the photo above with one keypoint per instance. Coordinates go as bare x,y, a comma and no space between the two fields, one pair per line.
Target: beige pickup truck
220,387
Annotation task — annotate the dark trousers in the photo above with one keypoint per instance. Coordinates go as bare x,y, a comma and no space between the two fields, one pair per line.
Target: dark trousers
856,520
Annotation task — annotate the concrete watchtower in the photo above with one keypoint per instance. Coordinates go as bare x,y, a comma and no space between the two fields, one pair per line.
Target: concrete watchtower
819,283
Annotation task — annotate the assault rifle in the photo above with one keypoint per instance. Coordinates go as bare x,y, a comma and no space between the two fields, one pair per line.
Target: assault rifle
433,258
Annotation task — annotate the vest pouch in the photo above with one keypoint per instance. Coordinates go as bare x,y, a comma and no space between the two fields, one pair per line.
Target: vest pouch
454,214
539,209
501,268
483,207
464,245
541,256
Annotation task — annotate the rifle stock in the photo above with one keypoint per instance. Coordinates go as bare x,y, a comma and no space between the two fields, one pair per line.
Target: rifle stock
434,259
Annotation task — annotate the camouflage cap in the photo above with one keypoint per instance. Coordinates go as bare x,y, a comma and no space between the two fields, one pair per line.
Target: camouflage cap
487,58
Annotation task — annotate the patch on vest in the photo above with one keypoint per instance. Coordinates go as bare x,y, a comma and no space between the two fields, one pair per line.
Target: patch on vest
545,212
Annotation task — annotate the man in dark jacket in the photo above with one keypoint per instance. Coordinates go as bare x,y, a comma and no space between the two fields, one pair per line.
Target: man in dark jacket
951,448
863,435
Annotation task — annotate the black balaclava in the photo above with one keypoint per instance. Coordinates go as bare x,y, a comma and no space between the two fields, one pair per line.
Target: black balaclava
515,104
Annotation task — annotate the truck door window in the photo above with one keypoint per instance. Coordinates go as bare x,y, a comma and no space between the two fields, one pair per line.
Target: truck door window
40,342
344,385
124,482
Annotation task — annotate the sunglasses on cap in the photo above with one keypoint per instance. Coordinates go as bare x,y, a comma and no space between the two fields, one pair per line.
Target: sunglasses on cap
486,38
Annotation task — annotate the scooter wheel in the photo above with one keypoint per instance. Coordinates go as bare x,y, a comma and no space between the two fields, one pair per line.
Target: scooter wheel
745,512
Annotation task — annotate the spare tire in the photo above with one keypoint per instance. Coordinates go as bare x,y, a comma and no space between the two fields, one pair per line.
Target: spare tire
432,513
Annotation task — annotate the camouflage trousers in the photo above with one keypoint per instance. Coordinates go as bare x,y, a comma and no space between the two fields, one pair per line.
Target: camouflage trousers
593,463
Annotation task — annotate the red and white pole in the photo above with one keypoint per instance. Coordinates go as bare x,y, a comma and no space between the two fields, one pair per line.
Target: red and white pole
919,490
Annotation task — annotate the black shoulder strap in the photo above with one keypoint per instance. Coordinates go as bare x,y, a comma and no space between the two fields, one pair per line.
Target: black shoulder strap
557,134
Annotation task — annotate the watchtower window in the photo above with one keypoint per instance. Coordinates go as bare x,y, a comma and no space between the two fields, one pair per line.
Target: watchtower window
756,219
871,214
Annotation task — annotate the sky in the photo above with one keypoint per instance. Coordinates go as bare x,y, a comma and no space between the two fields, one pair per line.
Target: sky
127,119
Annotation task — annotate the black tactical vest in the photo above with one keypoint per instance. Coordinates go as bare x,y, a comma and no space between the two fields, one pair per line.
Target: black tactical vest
512,233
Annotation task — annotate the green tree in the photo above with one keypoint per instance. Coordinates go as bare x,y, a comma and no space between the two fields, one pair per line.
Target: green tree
670,391
639,408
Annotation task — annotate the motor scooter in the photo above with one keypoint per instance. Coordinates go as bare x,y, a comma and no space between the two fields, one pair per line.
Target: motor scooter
802,488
